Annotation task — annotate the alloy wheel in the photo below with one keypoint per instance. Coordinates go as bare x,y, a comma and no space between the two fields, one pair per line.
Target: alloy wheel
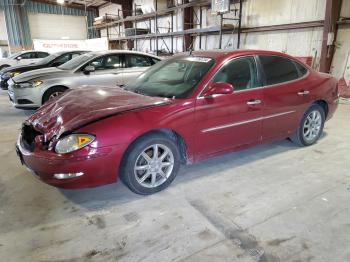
54,94
312,125
154,165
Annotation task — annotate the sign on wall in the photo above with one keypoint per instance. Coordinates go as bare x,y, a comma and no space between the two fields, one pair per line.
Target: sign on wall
52,46
220,6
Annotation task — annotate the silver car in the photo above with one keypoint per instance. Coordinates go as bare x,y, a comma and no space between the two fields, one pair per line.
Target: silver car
22,58
107,68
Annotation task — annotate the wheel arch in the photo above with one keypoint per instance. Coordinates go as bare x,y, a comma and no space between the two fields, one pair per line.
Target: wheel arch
50,88
171,134
324,105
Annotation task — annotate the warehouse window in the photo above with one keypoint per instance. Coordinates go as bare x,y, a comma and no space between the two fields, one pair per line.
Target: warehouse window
241,73
278,69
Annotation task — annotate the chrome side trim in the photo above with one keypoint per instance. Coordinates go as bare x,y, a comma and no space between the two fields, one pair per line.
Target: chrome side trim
231,125
245,122
279,114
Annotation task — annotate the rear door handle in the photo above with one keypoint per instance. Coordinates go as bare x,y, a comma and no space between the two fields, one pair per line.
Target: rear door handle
254,102
303,93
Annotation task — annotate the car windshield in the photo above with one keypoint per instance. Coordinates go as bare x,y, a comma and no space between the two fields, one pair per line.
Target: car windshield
48,59
173,78
14,55
76,62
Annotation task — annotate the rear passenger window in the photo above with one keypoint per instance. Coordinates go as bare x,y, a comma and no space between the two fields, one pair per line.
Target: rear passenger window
278,69
41,54
302,70
138,61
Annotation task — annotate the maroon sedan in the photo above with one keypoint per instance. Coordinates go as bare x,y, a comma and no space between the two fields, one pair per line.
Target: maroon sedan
182,110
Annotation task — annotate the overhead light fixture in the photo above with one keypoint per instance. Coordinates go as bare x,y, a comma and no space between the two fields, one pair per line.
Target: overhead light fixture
61,2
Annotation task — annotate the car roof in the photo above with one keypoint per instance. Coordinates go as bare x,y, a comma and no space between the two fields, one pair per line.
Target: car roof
70,51
220,54
121,52
27,51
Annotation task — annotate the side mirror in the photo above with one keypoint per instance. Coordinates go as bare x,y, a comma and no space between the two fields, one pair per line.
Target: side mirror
18,58
219,88
89,69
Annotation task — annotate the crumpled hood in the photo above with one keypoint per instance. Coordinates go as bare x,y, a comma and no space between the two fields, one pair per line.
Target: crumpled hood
50,72
84,105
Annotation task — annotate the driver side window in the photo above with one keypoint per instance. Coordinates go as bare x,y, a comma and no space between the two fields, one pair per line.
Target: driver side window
241,73
61,60
30,55
97,63
107,62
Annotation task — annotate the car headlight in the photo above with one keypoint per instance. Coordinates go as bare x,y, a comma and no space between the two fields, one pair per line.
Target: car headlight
37,83
24,85
13,74
73,142
30,84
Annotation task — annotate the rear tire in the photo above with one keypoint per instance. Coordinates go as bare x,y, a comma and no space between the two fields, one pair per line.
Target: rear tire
53,92
144,172
311,126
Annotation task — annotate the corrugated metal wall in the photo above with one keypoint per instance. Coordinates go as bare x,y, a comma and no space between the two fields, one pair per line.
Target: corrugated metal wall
16,15
12,24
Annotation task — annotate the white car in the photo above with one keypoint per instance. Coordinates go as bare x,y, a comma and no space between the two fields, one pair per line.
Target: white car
22,58
102,68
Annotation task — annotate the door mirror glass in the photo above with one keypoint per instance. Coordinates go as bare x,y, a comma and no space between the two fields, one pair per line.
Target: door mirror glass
88,69
219,88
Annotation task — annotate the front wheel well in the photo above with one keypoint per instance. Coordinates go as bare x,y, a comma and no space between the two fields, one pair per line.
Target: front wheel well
324,105
50,89
169,133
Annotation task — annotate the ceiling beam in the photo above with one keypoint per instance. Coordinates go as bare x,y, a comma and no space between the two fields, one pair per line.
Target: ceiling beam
69,5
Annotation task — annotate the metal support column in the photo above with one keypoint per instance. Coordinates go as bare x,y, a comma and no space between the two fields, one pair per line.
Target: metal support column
172,30
329,34
200,26
220,36
156,27
239,24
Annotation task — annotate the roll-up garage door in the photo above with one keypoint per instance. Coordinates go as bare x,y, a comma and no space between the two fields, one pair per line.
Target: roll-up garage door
3,33
48,26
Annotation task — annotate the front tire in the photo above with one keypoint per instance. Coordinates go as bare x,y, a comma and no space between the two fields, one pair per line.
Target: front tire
150,164
52,93
311,126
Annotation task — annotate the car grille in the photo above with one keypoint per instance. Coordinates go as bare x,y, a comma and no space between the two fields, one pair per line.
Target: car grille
28,136
3,83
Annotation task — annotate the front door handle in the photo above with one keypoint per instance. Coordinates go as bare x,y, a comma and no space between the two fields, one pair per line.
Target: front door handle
303,93
254,102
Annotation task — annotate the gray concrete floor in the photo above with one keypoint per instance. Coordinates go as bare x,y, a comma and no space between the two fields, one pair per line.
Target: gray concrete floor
274,202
